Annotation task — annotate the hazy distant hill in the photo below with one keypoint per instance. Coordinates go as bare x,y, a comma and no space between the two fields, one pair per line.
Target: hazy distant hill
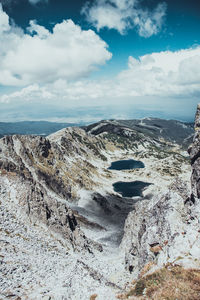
33,127
173,130
170,130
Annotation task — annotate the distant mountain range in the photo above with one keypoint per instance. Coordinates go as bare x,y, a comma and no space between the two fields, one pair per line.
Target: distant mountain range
171,130
33,127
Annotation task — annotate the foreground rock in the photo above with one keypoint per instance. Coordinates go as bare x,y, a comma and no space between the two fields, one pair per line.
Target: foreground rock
162,230
36,263
62,223
32,178
194,152
167,228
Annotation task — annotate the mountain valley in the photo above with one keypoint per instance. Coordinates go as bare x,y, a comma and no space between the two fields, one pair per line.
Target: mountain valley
65,231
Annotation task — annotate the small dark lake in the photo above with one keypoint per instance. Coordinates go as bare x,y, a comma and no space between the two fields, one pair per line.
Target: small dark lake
126,165
130,189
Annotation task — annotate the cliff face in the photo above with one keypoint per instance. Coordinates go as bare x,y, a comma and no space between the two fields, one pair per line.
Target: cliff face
38,176
167,228
162,230
194,152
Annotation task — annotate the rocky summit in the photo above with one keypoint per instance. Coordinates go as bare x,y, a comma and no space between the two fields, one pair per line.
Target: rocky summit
66,233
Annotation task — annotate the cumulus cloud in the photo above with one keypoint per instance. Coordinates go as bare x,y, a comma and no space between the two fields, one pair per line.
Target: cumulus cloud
28,94
4,21
40,56
125,14
161,74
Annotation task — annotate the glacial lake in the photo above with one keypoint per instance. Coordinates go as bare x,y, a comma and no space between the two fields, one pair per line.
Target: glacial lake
126,165
130,189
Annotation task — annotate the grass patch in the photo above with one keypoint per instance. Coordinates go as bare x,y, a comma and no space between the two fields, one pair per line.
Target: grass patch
93,297
168,283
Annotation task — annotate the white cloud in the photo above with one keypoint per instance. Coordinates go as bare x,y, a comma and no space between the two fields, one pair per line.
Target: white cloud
150,23
162,74
41,56
4,21
125,14
44,62
41,31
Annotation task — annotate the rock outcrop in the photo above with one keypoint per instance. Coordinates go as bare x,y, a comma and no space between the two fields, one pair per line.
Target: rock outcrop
56,196
194,152
37,172
167,228
161,230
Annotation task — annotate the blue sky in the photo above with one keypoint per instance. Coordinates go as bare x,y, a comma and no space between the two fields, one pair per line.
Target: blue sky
100,59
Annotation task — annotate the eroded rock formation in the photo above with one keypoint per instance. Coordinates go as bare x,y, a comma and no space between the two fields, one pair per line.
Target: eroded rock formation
167,228
35,171
194,152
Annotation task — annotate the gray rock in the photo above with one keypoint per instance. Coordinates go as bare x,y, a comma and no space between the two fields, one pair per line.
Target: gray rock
194,152
30,163
167,228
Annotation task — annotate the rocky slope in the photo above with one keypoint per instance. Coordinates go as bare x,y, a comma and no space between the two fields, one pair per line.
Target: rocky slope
157,129
62,223
163,231
28,167
194,152
167,228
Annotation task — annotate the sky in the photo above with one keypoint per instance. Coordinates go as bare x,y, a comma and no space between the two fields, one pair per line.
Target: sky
83,61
